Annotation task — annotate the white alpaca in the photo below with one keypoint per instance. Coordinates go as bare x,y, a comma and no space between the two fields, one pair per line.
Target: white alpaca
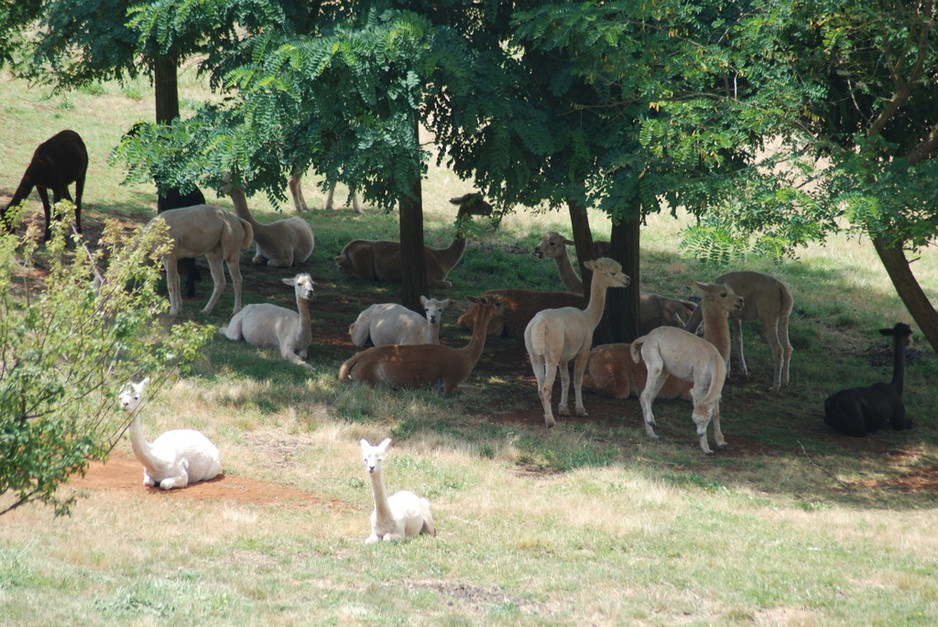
283,243
555,336
266,324
670,350
389,323
395,517
176,458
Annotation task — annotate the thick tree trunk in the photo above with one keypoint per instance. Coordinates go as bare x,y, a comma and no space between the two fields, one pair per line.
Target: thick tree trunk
413,261
911,293
583,239
166,90
622,305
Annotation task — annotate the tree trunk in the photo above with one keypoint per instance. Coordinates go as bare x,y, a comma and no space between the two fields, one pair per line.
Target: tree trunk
413,260
622,306
921,310
166,89
583,240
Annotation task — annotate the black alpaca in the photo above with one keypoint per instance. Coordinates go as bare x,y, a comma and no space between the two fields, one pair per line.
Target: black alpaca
57,162
858,411
170,198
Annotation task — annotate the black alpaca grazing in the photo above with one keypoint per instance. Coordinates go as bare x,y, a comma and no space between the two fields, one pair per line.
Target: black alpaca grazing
858,411
170,198
57,162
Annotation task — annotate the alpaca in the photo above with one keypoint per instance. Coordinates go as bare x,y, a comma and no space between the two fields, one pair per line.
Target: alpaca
653,310
266,324
769,301
204,230
57,162
395,517
295,184
389,323
422,365
380,260
519,307
282,243
176,458
672,350
858,411
170,198
611,372
555,336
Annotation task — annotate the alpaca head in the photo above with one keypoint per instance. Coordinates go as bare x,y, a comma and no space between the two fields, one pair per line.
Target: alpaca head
553,245
374,455
722,295
433,308
901,331
609,271
132,394
302,285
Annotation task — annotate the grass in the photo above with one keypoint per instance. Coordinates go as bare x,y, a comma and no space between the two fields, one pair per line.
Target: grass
589,523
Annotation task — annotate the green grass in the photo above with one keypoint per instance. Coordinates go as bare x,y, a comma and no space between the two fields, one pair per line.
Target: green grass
588,523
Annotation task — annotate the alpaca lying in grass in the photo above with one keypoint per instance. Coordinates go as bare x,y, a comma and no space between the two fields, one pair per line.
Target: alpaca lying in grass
423,365
858,411
380,260
204,230
669,350
401,515
266,324
519,307
283,243
56,163
556,336
176,458
611,371
653,310
389,323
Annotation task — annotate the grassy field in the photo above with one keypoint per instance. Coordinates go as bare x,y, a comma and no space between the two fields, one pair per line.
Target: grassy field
589,523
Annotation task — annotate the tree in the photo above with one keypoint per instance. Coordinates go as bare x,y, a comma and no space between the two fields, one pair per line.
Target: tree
67,345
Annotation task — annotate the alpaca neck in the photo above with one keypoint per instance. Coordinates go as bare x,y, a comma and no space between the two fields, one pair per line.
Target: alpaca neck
23,190
143,451
597,304
717,327
480,329
451,255
898,364
302,307
382,508
433,333
568,275
240,202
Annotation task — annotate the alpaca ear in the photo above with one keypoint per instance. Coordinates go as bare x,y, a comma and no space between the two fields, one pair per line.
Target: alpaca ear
385,444
138,387
424,300
291,281
568,242
364,444
444,303
589,264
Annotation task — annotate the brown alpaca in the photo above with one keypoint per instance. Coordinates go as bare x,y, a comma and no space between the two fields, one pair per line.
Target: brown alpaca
611,371
380,260
520,306
423,365
57,162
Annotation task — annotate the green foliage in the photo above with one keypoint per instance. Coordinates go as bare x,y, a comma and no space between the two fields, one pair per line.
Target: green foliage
71,337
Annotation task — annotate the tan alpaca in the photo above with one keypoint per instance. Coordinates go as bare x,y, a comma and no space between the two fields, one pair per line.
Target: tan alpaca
556,336
669,350
390,323
380,260
204,230
283,243
611,371
401,515
769,301
422,365
653,310
266,324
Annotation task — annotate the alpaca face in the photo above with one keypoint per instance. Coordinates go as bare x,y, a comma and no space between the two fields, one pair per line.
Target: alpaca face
374,455
303,285
132,394
433,308
552,246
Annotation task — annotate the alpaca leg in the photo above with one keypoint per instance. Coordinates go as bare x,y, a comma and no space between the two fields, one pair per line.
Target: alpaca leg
786,347
579,367
295,183
79,190
545,373
771,334
172,285
179,481
701,418
656,379
235,271
564,407
740,355
46,211
218,280
717,432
